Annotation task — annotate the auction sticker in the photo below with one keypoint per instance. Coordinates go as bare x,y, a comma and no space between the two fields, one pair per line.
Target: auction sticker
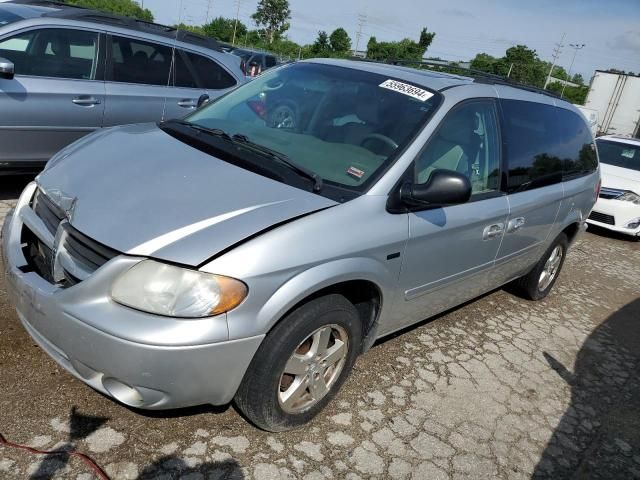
406,89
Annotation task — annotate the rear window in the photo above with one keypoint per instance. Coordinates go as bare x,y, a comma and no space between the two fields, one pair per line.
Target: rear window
619,154
544,145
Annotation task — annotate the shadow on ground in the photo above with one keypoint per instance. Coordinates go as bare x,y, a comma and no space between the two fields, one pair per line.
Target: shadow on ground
599,434
603,232
173,467
11,186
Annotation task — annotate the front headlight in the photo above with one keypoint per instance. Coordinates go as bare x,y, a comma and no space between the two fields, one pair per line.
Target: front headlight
172,291
630,197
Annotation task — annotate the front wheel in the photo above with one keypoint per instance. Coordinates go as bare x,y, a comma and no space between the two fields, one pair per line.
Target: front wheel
301,364
537,284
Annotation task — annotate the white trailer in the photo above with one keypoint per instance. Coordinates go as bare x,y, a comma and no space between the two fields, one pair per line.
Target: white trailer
616,98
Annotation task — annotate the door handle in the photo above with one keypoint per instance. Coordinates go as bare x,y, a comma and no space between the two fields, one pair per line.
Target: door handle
493,231
86,101
187,103
515,224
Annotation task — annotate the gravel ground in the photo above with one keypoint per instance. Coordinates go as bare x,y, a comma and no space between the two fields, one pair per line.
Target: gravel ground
498,388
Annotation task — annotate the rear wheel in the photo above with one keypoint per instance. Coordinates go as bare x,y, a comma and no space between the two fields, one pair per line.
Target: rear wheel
301,364
537,284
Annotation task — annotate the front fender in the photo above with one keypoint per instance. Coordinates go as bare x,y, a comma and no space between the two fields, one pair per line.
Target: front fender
308,282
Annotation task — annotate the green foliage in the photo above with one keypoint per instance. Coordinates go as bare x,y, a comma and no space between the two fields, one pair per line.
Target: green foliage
523,62
273,16
340,41
321,46
189,28
405,49
577,78
127,8
222,29
576,95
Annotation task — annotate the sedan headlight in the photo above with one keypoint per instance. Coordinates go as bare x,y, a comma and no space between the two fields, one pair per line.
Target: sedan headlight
630,197
172,291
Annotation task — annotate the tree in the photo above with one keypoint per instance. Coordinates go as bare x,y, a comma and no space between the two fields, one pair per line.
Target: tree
222,29
577,78
274,16
189,28
321,45
425,39
576,95
127,8
340,41
405,49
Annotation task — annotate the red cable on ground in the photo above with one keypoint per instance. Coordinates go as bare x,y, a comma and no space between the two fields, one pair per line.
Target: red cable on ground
72,453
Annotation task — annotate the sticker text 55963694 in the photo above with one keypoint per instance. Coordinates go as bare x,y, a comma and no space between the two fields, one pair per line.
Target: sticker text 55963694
406,89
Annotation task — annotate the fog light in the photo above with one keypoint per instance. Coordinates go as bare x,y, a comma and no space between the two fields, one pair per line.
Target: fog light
123,392
633,224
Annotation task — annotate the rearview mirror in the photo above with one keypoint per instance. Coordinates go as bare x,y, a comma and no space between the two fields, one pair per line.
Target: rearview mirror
204,98
444,187
7,69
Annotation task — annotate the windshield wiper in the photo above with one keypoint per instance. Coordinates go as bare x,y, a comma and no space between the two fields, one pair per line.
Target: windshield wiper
211,131
243,141
281,157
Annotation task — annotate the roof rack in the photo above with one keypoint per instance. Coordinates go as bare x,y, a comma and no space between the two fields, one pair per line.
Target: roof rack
74,12
478,76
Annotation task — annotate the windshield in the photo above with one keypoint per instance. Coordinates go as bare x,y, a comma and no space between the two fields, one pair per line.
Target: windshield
619,154
343,124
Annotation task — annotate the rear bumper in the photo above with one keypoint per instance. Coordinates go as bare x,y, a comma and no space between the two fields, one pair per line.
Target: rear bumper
142,360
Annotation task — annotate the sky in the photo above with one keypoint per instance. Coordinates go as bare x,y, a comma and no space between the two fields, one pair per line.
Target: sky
609,29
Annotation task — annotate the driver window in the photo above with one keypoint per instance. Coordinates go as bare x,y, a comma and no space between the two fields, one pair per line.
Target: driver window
466,142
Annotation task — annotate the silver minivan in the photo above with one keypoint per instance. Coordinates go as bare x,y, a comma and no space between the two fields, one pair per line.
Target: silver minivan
67,71
234,255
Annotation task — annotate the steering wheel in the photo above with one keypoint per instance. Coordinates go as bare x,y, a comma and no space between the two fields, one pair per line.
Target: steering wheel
382,138
283,116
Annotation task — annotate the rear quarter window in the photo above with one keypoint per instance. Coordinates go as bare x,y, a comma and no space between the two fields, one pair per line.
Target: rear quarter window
212,76
544,145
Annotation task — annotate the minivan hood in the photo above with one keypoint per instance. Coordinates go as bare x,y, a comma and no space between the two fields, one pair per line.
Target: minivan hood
621,178
140,191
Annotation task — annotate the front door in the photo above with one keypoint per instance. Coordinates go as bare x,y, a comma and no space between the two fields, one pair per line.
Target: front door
56,96
451,250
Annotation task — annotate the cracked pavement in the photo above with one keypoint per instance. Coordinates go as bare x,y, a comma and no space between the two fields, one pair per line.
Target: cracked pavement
498,388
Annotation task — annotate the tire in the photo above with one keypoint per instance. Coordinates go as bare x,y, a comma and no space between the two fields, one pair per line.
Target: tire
275,399
532,286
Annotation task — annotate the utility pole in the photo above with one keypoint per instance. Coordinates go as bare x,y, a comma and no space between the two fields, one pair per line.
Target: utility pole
510,69
362,21
209,2
576,47
235,25
556,55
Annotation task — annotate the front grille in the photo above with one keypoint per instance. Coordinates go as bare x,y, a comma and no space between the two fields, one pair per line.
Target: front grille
610,193
602,218
48,211
77,256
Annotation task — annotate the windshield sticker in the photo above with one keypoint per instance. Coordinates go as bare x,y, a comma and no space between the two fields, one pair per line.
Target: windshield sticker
355,172
629,153
407,89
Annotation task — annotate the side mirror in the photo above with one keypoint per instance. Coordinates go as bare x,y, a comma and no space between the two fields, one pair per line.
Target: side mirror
204,98
7,69
444,187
